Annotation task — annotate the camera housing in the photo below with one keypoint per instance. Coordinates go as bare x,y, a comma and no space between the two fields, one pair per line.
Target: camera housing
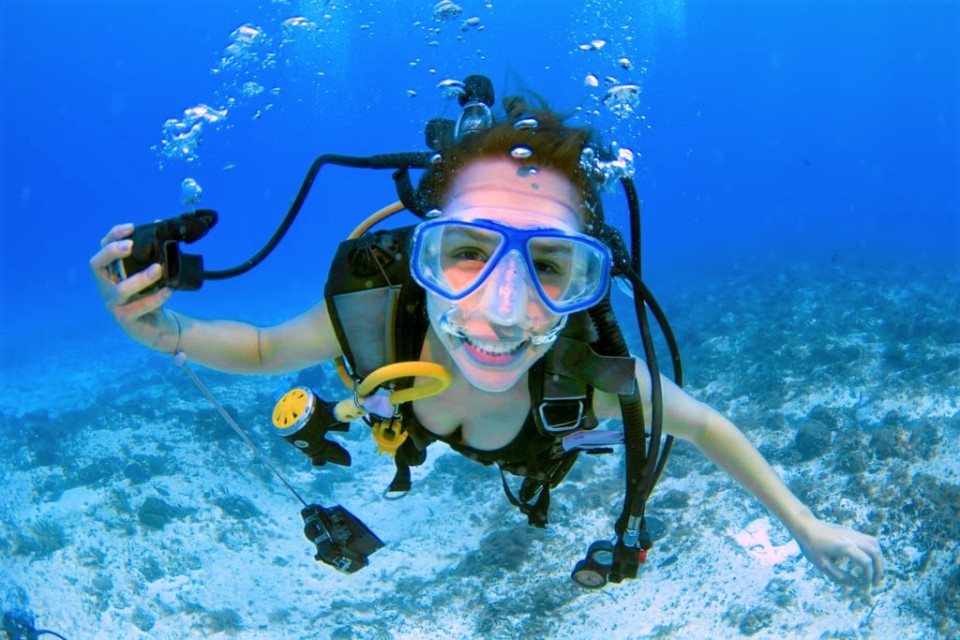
159,242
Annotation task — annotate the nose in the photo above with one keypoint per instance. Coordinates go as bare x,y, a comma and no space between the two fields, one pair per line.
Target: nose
507,291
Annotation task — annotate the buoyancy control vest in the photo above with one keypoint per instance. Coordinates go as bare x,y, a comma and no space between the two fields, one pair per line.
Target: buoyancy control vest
379,315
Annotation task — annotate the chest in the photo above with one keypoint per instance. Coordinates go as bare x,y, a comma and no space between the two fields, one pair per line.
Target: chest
487,421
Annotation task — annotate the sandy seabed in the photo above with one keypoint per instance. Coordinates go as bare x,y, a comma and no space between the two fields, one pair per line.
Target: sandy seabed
131,510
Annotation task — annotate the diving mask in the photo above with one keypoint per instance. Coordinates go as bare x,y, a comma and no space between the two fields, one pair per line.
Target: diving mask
454,258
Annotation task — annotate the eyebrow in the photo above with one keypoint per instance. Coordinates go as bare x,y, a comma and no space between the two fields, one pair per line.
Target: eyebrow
471,233
556,247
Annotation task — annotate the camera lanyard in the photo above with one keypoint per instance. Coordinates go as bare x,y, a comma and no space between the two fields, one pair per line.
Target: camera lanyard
180,359
341,539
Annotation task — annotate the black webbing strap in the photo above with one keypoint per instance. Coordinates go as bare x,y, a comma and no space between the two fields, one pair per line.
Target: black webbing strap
536,512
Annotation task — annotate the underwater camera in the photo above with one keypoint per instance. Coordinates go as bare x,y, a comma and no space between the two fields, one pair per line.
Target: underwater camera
160,242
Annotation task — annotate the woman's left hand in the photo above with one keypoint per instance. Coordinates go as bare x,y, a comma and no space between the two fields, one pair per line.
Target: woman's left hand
827,546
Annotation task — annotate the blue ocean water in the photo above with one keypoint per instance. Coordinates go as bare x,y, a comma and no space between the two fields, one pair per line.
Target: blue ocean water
761,128
793,154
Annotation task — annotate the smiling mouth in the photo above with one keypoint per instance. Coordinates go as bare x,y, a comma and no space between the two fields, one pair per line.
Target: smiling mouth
495,348
492,353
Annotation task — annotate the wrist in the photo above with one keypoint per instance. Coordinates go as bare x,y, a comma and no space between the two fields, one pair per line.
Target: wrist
800,521
172,342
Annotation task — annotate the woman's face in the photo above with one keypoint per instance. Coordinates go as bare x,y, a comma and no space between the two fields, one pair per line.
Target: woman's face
493,343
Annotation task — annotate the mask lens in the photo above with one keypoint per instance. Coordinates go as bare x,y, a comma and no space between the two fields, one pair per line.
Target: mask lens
569,271
452,259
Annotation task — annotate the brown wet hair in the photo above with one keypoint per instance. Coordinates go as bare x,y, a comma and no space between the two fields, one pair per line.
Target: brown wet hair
553,145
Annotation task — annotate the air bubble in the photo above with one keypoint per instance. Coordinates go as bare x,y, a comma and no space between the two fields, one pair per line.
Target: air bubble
526,123
451,88
190,192
623,100
251,89
593,45
446,10
520,152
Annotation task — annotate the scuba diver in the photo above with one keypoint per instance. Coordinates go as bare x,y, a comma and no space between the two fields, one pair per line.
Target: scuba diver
504,286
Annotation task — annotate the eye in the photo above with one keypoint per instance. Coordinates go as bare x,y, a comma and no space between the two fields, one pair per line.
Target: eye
469,254
548,268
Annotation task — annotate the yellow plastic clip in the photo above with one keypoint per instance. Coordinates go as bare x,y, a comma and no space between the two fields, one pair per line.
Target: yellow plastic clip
389,435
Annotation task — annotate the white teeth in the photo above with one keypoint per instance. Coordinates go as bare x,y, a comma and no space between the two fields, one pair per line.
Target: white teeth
495,348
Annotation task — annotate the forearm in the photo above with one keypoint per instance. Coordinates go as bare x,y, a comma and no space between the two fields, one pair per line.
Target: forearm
723,443
225,345
237,347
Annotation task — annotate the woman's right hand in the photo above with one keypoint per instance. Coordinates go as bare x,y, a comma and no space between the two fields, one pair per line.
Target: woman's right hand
142,317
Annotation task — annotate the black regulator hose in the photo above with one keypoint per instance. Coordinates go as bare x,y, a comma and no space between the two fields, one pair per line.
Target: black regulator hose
404,160
656,391
644,299
612,343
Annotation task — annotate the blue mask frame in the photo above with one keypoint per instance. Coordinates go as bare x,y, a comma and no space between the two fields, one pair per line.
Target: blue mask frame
513,239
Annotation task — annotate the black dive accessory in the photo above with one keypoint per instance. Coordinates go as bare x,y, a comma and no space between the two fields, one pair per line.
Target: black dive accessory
476,100
342,541
475,96
19,625
159,242
593,571
301,418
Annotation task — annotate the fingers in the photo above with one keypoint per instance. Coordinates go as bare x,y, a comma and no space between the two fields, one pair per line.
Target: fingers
866,565
131,311
137,283
877,567
869,560
868,555
107,255
837,574
872,548
116,233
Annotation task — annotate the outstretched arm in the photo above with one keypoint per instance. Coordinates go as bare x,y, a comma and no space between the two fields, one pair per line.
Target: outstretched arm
220,344
825,545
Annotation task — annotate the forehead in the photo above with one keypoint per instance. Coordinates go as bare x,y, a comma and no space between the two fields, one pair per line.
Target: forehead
514,194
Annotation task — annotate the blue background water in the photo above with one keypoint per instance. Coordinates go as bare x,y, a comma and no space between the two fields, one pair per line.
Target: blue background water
771,129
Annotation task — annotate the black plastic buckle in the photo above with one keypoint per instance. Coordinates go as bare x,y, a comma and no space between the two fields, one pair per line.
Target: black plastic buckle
559,415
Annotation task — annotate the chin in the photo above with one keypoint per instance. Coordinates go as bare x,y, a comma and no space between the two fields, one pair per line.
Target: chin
491,381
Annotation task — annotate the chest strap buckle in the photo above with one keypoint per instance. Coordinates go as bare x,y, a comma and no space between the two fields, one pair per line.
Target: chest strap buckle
560,415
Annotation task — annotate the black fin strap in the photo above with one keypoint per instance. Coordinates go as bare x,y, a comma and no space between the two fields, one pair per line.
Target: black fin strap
536,512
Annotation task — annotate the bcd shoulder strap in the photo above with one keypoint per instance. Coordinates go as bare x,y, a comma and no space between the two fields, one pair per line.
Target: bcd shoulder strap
368,300
562,382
